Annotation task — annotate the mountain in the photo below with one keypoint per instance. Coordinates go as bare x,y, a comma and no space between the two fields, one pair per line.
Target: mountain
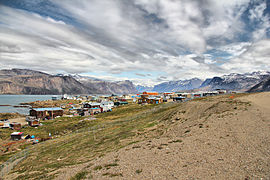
235,81
262,86
144,88
180,85
24,81
107,87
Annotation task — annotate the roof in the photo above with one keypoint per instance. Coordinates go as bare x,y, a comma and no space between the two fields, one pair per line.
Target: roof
17,133
47,109
95,104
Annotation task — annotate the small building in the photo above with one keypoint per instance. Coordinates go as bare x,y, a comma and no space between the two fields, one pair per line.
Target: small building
179,99
91,105
143,99
32,121
4,124
151,93
221,91
120,103
154,100
15,126
107,103
46,113
95,111
54,98
210,93
106,108
16,136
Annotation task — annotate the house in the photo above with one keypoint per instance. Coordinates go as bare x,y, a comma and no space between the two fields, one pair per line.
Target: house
151,93
107,103
32,121
106,108
210,93
120,103
179,98
143,99
184,94
4,123
95,111
221,91
91,105
16,136
154,100
197,94
46,113
54,98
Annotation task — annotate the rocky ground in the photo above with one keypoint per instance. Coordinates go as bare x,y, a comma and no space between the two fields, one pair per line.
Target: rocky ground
209,139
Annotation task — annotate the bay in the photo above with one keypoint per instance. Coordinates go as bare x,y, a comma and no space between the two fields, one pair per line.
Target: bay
14,100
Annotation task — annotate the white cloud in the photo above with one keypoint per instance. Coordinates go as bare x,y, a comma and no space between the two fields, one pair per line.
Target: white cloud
263,21
254,59
165,36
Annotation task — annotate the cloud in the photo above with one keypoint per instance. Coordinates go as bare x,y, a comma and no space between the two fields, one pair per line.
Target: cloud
168,39
254,59
261,20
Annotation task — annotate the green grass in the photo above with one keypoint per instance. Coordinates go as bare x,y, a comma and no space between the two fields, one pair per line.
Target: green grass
80,175
114,130
96,168
138,171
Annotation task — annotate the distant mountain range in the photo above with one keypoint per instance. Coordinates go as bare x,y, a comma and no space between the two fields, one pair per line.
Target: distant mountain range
262,86
234,81
180,85
24,81
240,82
107,87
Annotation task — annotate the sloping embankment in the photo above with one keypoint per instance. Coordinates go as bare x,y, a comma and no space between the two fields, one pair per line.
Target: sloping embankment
214,138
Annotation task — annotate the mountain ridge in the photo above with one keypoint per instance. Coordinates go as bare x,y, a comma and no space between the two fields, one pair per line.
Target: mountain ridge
26,81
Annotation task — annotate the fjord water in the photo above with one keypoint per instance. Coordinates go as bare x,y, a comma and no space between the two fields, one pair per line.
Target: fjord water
13,100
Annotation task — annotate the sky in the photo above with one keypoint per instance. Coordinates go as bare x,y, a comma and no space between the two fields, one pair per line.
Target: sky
146,41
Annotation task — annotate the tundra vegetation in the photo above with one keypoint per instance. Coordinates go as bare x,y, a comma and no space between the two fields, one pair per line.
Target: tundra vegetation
78,140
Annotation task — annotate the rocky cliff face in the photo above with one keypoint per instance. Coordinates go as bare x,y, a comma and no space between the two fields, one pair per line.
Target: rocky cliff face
180,85
144,88
262,86
105,87
22,81
235,81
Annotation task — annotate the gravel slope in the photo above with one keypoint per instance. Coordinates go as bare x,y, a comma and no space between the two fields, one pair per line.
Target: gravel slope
217,138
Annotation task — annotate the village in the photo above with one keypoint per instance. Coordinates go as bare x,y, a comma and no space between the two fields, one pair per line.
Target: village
89,106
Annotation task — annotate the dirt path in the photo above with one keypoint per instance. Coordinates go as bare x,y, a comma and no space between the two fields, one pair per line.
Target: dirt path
19,120
208,140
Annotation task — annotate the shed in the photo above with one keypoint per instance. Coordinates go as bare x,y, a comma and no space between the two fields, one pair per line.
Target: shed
119,103
180,98
95,111
16,136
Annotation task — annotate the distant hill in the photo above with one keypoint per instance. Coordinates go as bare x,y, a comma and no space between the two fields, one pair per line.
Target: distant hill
180,85
235,81
107,87
144,88
262,86
24,81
